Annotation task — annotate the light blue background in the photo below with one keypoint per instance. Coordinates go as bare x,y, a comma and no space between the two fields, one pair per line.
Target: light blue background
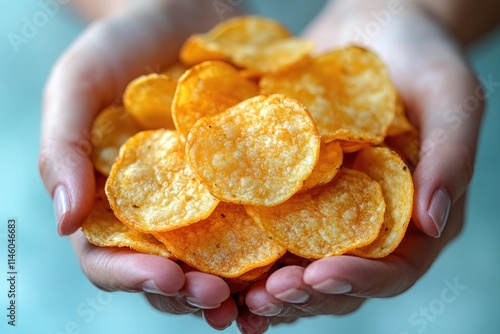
53,292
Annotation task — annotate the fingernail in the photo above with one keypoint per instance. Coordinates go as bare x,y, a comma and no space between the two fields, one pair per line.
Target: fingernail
151,287
253,324
61,205
268,310
196,303
333,286
439,210
295,296
210,322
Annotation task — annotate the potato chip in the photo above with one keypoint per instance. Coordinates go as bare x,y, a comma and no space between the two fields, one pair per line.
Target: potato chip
251,42
208,89
400,124
110,129
258,152
149,98
352,141
175,70
102,228
329,163
152,189
230,35
407,145
386,167
245,281
227,244
348,89
273,57
329,220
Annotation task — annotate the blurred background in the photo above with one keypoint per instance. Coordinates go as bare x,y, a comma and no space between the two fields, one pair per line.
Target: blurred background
53,295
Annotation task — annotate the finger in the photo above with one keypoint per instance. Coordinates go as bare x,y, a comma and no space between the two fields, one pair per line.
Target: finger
200,292
92,74
205,291
449,122
117,269
285,294
223,316
249,323
392,275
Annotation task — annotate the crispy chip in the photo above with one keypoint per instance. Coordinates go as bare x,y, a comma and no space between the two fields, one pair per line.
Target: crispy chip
343,89
352,140
386,167
329,220
151,188
400,124
407,145
273,57
329,163
230,35
245,281
149,98
208,89
111,128
227,244
102,228
175,70
251,42
258,152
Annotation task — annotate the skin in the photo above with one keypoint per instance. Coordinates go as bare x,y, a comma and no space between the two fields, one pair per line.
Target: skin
422,46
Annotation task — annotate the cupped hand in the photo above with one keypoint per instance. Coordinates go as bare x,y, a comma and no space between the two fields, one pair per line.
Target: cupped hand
444,101
89,76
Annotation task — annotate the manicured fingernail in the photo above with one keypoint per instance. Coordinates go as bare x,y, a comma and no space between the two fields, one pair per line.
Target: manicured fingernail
295,296
333,286
151,287
253,324
196,303
439,210
61,206
268,310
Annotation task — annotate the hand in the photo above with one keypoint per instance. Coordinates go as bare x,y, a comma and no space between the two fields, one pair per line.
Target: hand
89,76
444,100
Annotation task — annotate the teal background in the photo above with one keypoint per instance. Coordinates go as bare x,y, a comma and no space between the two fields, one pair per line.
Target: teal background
55,297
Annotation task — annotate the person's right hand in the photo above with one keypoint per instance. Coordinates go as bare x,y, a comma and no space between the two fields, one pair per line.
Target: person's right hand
89,76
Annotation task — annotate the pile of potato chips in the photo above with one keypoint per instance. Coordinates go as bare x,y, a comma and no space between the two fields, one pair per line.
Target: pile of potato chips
253,147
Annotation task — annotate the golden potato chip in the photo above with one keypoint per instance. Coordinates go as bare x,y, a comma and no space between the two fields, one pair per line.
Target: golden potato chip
230,35
152,189
227,244
329,163
208,89
273,57
245,281
386,167
352,140
175,70
258,152
407,145
251,42
110,129
102,228
149,98
329,220
400,124
347,89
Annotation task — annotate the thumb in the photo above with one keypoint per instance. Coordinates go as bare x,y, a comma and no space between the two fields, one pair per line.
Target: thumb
449,103
64,162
